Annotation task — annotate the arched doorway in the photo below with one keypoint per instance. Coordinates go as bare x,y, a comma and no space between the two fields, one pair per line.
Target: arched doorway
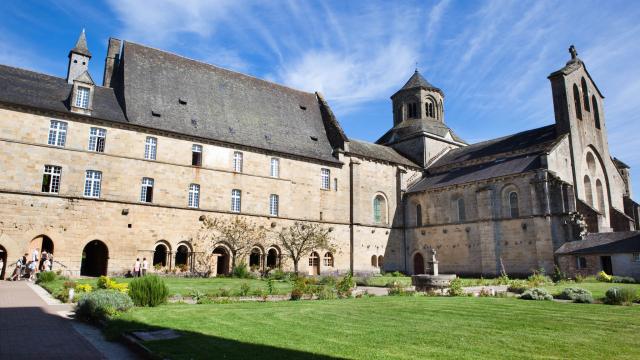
273,259
95,258
418,264
255,259
314,264
160,255
3,259
223,260
42,243
182,255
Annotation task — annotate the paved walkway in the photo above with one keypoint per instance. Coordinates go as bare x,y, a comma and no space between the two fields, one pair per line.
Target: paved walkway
31,328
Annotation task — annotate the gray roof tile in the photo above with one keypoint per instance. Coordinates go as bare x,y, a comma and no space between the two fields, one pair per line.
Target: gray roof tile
378,152
603,243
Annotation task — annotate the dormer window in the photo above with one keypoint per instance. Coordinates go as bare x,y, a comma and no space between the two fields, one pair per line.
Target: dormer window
82,97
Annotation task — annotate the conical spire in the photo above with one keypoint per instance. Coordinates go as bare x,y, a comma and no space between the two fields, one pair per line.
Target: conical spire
81,46
417,80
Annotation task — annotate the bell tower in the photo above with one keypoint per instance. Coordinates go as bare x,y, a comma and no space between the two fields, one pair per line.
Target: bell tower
419,132
79,58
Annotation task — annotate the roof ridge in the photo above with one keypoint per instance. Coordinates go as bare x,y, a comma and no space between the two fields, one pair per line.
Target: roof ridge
218,67
500,138
49,75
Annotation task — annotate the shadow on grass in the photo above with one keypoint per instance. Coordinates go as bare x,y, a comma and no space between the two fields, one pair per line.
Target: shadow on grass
194,345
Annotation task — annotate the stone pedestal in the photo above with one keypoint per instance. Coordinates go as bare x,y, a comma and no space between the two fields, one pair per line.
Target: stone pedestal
431,282
433,265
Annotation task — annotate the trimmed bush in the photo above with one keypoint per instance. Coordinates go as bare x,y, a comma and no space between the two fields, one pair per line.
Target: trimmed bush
603,277
455,288
345,285
45,276
620,296
278,274
536,294
148,291
241,271
518,286
576,295
623,280
102,304
86,288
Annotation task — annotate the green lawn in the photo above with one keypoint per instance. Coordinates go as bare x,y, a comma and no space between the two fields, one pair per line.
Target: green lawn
392,328
184,286
598,289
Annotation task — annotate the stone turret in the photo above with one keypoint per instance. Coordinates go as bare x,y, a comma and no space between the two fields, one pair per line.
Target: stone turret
79,58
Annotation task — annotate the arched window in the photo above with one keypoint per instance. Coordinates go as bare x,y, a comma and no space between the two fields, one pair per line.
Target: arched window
596,113
418,215
412,110
588,192
459,208
514,211
585,94
576,101
429,109
374,261
328,259
379,210
380,261
600,195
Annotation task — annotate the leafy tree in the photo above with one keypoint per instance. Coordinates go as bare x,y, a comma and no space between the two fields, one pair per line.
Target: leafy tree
237,233
301,239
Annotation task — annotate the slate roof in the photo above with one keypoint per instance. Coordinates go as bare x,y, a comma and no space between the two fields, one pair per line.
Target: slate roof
478,172
522,141
169,92
81,45
411,127
603,243
416,81
378,152
28,88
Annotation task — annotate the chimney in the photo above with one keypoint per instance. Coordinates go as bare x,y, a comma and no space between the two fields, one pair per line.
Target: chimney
111,62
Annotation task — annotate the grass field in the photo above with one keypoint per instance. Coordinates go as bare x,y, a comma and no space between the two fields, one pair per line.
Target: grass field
392,328
184,286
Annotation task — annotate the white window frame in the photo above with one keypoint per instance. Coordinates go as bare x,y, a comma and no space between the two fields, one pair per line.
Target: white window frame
237,161
194,196
92,183
196,149
274,204
236,200
144,189
95,134
54,172
325,179
328,261
57,133
150,148
275,167
82,97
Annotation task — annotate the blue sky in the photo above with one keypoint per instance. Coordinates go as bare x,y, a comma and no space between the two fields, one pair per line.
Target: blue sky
491,58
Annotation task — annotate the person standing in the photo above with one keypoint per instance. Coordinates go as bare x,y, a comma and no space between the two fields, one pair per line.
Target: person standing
136,268
16,272
145,266
32,270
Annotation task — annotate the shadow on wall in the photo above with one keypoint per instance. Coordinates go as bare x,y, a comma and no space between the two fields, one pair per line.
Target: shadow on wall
193,345
394,254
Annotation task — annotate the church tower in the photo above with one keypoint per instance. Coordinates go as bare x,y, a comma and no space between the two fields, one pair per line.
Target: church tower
79,58
419,131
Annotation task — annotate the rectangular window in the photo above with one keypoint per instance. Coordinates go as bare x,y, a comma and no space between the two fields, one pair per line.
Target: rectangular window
82,97
273,204
194,196
235,200
335,184
325,175
275,167
237,161
146,193
97,138
57,133
150,147
196,155
51,179
582,262
92,182
636,257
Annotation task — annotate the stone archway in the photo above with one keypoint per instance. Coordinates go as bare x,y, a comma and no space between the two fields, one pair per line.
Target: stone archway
182,255
223,260
160,254
42,243
314,264
95,259
3,259
273,258
418,264
255,259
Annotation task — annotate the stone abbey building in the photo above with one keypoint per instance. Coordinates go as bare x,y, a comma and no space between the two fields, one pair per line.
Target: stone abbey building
101,174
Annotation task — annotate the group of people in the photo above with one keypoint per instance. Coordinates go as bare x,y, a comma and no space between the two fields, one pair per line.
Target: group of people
140,268
30,267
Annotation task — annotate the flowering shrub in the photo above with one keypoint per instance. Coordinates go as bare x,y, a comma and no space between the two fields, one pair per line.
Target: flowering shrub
536,294
102,304
603,276
577,295
84,288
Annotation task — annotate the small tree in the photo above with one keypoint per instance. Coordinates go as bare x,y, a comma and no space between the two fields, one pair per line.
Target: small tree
302,238
238,233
